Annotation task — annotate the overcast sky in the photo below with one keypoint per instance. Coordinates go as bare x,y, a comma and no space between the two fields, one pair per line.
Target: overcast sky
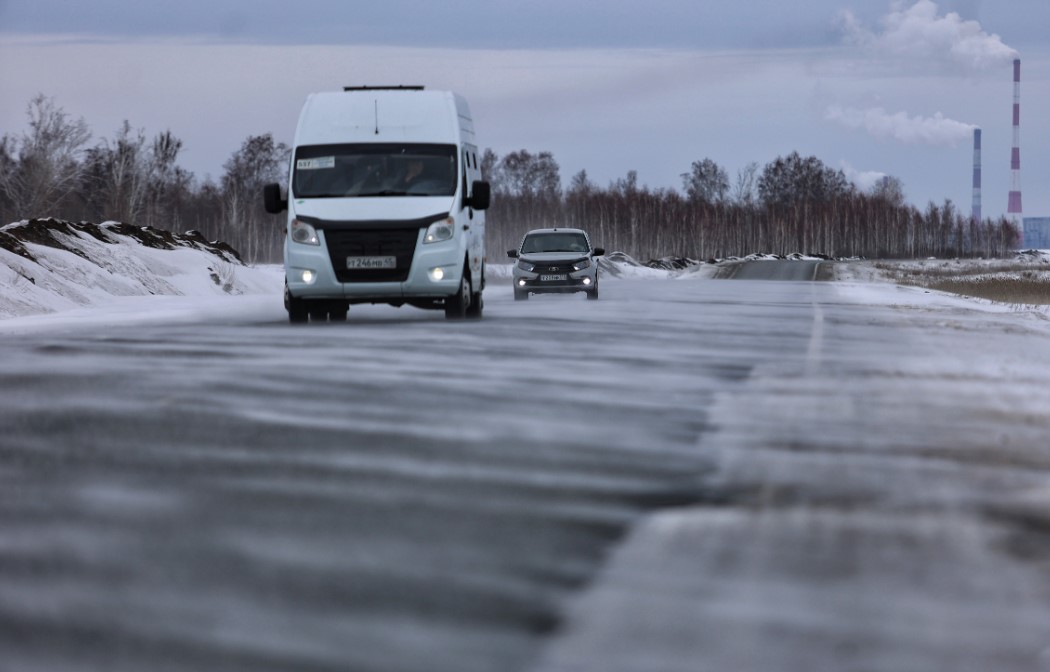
873,86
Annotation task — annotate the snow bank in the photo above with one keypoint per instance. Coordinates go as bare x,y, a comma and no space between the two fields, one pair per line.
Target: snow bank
47,265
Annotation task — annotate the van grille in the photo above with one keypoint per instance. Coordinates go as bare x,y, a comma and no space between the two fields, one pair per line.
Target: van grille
400,243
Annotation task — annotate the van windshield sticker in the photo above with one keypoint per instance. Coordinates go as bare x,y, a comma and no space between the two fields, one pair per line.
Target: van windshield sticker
315,164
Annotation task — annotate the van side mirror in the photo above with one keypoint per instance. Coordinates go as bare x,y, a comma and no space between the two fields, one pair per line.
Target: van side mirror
482,195
599,251
513,254
272,200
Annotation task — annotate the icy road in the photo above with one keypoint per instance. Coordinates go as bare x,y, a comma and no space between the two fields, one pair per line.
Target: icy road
731,476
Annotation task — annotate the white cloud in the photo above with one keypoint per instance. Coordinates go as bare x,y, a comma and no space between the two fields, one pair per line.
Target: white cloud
918,32
936,130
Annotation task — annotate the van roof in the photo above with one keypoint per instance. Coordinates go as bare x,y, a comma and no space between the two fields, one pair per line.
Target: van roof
384,114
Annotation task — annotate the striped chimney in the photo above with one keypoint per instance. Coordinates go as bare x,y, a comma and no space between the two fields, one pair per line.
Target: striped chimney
1014,209
976,175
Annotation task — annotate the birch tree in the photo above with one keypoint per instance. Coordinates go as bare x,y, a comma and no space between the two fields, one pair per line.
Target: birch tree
258,161
45,160
708,182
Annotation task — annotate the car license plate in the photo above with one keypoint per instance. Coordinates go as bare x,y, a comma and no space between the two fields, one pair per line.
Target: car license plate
553,278
363,263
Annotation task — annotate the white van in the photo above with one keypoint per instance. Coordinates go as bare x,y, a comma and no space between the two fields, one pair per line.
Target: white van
385,204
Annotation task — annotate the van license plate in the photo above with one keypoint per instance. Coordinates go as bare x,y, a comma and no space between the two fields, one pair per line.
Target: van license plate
359,263
553,278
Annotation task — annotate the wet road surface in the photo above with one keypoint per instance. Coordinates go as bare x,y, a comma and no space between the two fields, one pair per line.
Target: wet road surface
405,493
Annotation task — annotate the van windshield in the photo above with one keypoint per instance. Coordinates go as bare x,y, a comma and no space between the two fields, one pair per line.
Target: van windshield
361,170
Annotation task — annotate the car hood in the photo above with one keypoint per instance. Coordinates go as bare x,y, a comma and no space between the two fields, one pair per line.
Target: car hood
542,257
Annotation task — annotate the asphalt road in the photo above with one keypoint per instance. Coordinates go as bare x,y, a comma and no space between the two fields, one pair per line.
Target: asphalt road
405,493
795,271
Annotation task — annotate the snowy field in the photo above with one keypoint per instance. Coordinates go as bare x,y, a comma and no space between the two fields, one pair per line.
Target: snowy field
687,474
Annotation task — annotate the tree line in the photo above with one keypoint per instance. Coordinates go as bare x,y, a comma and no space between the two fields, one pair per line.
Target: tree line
51,170
792,204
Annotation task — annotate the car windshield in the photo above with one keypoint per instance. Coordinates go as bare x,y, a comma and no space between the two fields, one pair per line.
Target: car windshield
555,242
361,170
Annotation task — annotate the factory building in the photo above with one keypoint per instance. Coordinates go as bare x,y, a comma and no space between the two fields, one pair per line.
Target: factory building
1036,233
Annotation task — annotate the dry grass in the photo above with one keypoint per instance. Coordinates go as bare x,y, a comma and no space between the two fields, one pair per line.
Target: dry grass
1001,290
1022,281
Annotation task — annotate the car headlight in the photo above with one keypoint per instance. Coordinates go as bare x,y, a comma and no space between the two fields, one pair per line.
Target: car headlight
304,233
439,231
582,264
526,266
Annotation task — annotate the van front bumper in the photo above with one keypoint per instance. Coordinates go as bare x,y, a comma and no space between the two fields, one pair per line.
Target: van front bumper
435,273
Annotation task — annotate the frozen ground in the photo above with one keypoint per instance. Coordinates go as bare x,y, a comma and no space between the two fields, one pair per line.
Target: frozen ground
688,474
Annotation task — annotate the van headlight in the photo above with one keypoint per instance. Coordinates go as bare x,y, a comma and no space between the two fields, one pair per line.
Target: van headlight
304,233
439,231
526,266
581,264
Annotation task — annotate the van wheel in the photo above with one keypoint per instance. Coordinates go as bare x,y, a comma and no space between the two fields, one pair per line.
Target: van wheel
521,296
457,304
297,313
477,305
592,295
338,314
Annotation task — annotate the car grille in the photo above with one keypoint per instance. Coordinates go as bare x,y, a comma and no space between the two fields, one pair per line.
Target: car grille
553,268
400,243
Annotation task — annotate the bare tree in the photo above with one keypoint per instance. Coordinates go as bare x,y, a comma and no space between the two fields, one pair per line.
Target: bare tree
489,160
7,166
525,174
793,180
706,183
260,160
46,160
116,176
580,184
744,189
890,189
168,184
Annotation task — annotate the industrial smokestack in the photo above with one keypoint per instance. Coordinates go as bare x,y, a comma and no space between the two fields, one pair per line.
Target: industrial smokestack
976,175
1014,210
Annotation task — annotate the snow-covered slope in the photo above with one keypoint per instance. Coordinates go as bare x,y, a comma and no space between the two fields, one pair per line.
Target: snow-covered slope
47,265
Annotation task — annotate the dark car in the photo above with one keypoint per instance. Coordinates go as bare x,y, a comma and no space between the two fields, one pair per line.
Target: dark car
559,261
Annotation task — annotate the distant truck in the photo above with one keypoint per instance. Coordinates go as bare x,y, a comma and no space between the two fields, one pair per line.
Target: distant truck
385,204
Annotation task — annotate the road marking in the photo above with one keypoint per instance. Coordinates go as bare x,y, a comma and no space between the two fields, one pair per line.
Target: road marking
816,334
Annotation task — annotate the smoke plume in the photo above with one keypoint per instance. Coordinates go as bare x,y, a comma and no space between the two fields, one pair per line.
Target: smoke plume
865,180
919,32
937,130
